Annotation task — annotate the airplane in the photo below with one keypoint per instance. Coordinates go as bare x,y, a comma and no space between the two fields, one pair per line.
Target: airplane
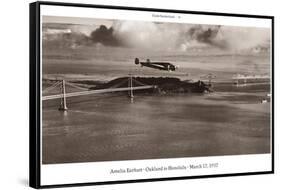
157,65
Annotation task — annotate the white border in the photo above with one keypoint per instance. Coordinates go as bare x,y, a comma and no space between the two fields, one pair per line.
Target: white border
101,171
55,174
147,16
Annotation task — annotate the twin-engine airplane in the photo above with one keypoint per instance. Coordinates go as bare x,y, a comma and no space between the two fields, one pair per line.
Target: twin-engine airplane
157,65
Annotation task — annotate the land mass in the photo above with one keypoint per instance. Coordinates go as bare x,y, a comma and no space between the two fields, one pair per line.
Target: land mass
165,85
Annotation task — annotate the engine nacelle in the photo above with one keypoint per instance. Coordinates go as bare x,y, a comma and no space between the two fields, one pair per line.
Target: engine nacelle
137,61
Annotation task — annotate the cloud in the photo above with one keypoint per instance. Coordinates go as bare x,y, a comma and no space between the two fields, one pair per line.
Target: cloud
239,38
146,34
105,36
203,34
175,36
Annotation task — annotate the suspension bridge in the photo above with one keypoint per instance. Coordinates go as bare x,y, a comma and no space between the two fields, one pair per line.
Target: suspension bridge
244,79
61,84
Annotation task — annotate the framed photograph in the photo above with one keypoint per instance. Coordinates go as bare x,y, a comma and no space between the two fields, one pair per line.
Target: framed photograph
127,94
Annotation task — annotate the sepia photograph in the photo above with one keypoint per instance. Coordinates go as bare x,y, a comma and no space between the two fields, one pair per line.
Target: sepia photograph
115,90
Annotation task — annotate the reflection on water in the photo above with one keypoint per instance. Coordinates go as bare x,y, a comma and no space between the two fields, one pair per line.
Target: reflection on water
115,127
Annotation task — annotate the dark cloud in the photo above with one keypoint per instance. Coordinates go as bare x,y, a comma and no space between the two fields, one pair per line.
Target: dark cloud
105,36
117,36
206,35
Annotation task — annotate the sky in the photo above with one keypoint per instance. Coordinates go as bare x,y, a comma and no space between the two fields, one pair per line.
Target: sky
165,36
76,20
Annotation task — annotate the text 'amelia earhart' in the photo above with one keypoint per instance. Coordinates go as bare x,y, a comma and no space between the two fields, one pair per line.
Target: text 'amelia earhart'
147,169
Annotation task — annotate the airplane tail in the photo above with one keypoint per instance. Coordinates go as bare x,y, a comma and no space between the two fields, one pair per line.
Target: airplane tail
137,61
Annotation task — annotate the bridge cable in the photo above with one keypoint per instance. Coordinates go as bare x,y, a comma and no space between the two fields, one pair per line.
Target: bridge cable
51,87
76,86
118,84
140,83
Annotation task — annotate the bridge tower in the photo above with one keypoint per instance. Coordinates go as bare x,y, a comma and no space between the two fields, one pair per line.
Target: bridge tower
63,98
209,77
130,85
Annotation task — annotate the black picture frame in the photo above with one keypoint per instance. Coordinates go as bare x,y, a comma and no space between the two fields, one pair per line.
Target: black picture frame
35,101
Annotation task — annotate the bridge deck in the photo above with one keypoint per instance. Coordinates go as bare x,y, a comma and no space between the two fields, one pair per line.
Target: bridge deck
56,96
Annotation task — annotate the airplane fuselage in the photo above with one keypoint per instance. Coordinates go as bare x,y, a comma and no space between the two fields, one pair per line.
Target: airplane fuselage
166,66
